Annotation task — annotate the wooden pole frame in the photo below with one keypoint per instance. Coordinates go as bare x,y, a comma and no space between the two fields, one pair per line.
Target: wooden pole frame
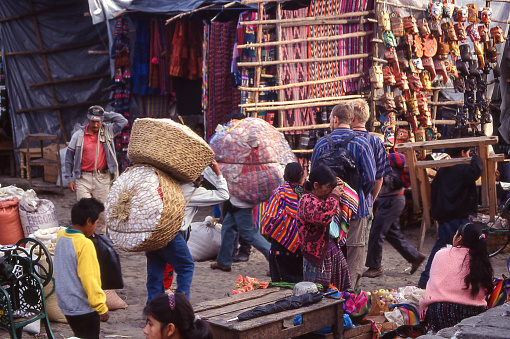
311,20
294,61
299,84
280,103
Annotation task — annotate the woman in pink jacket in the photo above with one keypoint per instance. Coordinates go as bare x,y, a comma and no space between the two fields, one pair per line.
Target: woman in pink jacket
460,280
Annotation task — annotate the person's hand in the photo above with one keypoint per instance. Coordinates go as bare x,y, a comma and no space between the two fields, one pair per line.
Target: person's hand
215,167
339,189
72,186
104,317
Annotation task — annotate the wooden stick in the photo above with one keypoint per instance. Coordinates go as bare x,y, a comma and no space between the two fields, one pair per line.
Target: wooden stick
258,57
304,151
299,84
197,10
361,42
435,96
448,103
55,50
249,2
316,104
276,103
311,19
294,41
295,61
402,6
60,106
299,128
74,79
373,90
279,56
314,23
435,122
99,53
383,61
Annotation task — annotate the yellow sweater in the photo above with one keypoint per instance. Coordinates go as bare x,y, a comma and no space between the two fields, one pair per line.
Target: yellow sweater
77,275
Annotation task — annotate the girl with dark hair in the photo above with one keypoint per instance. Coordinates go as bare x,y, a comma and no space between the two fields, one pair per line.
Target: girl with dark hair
171,316
323,261
460,280
279,221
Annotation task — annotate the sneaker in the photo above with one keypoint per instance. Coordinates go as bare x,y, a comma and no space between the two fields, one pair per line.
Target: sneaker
417,263
240,257
216,266
373,272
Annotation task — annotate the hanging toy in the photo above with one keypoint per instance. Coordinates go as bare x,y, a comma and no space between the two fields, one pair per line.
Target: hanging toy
401,81
423,27
391,56
376,76
415,82
389,39
441,70
472,13
485,15
451,69
443,51
472,31
410,25
460,30
448,9
435,11
497,35
449,31
388,76
429,46
454,50
483,31
384,20
492,54
460,14
479,54
387,101
397,24
428,64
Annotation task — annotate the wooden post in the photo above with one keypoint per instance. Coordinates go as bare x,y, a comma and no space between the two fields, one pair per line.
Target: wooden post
258,53
373,90
484,154
361,51
279,56
425,198
47,70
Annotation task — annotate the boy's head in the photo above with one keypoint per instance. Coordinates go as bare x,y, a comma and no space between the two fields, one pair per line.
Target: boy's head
85,214
459,152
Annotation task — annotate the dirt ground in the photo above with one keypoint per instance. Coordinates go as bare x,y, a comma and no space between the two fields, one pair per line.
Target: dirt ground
211,284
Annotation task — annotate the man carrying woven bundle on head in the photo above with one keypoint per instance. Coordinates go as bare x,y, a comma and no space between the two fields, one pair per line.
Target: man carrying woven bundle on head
91,157
176,252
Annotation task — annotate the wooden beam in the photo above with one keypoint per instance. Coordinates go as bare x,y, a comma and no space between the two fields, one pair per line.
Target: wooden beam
258,51
41,49
312,20
276,103
447,143
295,41
74,79
98,53
421,9
299,84
316,104
59,106
279,56
52,9
295,61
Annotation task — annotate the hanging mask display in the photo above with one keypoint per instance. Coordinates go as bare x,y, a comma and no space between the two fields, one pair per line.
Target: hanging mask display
425,80
428,64
497,35
460,30
387,101
449,30
458,85
388,76
412,106
384,20
441,70
492,54
483,31
389,39
407,42
486,15
472,13
410,25
376,76
403,62
429,46
472,31
460,14
435,11
417,65
401,81
462,68
451,69
435,28
465,52
418,46
479,54
454,50
414,82
400,103
448,9
423,27
443,50
397,24
391,56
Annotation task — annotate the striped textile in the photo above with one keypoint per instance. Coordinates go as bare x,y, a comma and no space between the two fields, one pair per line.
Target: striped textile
398,161
380,154
348,208
279,219
258,214
296,72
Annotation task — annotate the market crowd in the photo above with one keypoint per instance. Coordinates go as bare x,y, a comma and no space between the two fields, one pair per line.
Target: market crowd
324,226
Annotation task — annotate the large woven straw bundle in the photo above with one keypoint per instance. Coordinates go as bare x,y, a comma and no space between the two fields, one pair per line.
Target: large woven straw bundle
144,210
169,146
252,156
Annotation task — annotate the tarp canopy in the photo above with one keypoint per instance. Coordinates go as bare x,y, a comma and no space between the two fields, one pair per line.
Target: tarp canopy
67,35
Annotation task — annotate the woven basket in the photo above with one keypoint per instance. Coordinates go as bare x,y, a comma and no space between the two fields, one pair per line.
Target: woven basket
169,146
137,217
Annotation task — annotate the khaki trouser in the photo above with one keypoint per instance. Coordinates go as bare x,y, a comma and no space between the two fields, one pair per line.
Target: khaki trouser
94,185
356,239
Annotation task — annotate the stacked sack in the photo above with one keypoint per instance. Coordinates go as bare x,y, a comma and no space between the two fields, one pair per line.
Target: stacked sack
145,206
252,156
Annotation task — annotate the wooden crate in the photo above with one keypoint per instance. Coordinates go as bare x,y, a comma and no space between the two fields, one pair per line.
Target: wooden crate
363,331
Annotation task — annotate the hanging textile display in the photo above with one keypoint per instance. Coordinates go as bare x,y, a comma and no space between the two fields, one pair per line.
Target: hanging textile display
223,98
205,68
141,56
3,91
186,55
122,87
296,72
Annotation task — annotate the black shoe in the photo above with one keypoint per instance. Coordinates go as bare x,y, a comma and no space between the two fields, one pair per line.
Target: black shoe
240,257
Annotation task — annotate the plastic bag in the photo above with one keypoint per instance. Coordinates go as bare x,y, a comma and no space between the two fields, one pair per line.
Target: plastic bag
109,263
205,240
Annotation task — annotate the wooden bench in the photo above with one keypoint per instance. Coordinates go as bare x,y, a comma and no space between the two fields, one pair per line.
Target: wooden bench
420,183
327,312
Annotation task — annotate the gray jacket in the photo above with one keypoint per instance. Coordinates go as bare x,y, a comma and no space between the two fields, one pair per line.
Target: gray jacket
112,125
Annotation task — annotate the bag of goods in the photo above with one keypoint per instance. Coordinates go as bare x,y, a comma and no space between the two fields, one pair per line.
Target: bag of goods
10,225
252,156
169,146
204,240
10,192
144,209
36,213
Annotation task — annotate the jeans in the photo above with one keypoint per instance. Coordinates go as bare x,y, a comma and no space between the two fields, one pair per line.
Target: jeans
175,253
239,220
386,227
445,233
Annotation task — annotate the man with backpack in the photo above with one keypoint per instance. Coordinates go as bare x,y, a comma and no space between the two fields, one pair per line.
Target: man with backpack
361,154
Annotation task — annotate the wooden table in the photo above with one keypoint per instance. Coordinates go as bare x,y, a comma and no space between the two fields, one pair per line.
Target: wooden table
327,312
420,184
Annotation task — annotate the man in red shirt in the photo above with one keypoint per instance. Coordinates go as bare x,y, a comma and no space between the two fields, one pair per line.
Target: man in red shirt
91,157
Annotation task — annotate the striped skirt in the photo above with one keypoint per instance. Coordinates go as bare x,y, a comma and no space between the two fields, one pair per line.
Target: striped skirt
444,314
333,270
